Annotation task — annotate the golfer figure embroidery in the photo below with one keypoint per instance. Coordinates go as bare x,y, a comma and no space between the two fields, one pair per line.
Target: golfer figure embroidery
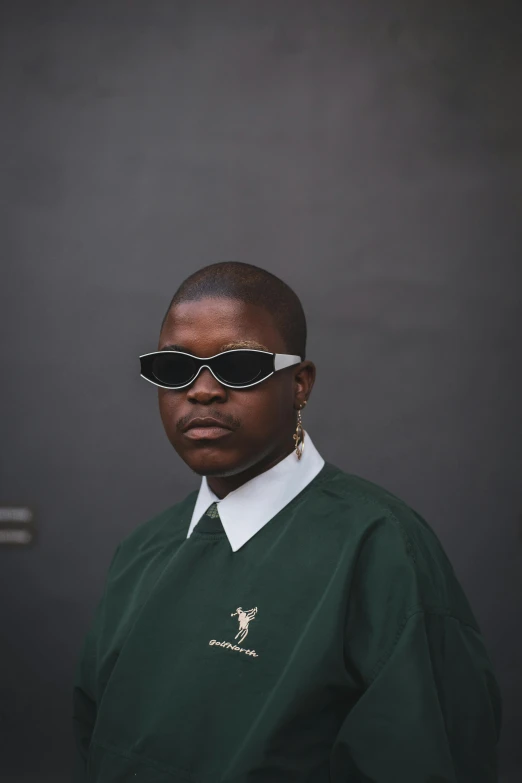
245,618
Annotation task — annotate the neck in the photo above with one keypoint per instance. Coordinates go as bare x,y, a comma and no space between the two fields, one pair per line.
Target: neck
222,485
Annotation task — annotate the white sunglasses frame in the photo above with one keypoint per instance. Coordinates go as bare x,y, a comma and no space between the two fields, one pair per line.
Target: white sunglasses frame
281,361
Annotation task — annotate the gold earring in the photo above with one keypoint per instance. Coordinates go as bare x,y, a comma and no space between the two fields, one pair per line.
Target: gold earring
299,434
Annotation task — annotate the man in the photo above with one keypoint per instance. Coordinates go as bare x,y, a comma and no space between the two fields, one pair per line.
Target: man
288,621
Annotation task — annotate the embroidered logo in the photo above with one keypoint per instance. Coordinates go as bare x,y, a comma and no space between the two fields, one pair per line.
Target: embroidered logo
245,617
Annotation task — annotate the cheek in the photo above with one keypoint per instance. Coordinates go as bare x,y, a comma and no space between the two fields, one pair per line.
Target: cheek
169,407
265,410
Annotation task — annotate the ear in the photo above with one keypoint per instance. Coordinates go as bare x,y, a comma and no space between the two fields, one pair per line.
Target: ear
304,379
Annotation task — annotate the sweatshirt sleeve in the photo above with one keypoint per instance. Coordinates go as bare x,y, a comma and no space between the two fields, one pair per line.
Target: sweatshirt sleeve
429,710
431,715
84,689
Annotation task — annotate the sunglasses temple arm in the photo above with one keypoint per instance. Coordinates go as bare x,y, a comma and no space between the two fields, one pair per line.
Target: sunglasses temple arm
282,360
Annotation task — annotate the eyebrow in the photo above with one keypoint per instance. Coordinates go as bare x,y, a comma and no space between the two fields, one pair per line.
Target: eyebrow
174,348
227,347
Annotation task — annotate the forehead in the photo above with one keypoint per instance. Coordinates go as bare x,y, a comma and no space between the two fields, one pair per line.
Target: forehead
206,326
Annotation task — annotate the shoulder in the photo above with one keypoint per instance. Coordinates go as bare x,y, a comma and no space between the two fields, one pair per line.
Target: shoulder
396,551
368,507
163,528
136,563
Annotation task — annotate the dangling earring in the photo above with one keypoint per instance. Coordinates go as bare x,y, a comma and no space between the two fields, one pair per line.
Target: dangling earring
299,434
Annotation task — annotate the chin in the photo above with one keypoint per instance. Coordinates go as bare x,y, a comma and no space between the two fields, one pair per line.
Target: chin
210,462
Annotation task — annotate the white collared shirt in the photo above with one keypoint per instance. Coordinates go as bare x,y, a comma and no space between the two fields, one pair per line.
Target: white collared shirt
245,510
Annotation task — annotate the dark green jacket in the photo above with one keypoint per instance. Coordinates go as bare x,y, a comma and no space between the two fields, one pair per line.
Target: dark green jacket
336,645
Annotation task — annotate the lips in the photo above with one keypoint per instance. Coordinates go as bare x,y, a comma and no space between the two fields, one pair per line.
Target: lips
206,428
205,422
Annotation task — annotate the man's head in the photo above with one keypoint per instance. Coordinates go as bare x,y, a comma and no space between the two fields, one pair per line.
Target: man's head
220,307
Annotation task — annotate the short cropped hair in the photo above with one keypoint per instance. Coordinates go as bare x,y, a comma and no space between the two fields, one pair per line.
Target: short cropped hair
253,285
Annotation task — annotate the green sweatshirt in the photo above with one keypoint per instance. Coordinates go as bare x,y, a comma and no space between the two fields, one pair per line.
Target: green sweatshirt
336,645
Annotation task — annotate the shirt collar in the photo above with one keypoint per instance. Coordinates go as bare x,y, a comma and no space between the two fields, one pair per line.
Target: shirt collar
245,510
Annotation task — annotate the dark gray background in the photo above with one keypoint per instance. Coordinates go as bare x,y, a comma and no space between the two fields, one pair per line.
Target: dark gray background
369,153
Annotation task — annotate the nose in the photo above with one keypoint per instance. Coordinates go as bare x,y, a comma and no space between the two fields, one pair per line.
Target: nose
206,389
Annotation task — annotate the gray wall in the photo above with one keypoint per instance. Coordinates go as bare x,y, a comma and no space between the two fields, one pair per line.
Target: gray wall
367,152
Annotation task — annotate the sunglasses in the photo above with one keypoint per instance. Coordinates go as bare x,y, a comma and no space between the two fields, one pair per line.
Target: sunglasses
237,369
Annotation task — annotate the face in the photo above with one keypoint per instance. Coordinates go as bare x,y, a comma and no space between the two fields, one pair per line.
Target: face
261,419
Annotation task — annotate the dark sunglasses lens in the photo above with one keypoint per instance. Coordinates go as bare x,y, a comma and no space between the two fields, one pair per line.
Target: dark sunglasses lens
240,368
173,369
